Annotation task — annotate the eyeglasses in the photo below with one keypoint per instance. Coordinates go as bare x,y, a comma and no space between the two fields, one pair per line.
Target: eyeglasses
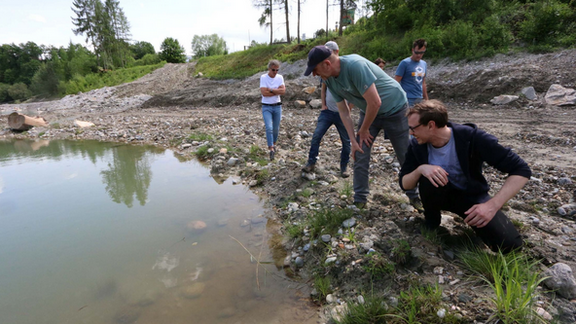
275,70
413,128
419,52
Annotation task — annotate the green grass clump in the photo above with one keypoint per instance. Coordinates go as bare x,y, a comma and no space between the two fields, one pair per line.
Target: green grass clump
306,192
322,285
373,310
378,266
514,280
200,137
262,175
401,252
346,189
257,155
421,305
294,230
202,152
328,220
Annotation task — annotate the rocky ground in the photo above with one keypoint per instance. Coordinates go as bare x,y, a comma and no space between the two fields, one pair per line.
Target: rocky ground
168,106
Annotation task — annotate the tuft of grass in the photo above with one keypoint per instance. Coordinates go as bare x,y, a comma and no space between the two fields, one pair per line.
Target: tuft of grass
346,189
262,175
200,137
328,221
401,252
431,235
294,230
420,304
515,281
373,310
202,152
379,266
322,285
306,192
257,155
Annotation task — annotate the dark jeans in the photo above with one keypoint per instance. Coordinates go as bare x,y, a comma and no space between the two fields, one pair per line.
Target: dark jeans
397,127
326,119
500,233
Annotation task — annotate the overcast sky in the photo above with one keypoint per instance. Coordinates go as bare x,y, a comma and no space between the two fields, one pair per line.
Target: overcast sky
50,22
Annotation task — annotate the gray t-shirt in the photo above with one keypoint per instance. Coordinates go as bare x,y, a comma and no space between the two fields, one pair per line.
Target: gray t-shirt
330,102
357,74
447,158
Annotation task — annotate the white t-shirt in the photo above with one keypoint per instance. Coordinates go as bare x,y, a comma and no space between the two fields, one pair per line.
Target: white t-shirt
267,82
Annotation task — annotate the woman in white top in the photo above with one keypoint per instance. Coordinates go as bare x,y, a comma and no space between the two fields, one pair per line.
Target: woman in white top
271,87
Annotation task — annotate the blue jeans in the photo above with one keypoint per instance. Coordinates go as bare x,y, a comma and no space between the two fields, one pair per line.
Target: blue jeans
272,116
326,119
396,126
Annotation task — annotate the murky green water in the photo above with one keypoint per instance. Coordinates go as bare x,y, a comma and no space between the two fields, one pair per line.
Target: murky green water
100,233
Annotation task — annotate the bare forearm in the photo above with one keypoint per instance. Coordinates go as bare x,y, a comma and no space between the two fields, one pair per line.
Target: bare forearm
509,189
424,90
344,112
410,180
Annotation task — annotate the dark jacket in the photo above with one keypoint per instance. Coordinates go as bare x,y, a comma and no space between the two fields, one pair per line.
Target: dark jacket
473,147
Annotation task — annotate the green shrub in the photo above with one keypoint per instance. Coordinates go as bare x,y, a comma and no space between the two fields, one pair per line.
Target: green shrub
494,35
19,91
4,92
546,21
460,40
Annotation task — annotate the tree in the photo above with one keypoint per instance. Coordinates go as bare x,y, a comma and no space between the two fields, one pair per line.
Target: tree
171,51
285,4
208,45
105,27
298,26
266,14
139,49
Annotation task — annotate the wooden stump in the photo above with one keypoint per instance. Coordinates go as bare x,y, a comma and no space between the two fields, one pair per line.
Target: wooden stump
21,122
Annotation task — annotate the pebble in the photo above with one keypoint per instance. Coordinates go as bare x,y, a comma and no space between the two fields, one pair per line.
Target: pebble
349,222
330,260
299,262
326,238
306,247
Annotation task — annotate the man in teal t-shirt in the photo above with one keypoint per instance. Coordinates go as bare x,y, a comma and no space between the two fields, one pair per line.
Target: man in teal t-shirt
382,103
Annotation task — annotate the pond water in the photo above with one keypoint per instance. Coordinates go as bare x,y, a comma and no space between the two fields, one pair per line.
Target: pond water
95,232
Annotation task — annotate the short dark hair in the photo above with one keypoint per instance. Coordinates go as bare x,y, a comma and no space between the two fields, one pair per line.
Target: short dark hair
420,42
379,60
430,110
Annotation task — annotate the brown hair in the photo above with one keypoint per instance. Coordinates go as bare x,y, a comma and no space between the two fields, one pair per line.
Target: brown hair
420,42
430,110
379,60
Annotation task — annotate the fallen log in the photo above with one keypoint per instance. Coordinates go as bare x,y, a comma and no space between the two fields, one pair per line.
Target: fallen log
21,122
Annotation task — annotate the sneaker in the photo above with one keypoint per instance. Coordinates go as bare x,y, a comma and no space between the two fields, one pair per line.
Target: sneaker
272,155
309,168
360,205
344,173
417,204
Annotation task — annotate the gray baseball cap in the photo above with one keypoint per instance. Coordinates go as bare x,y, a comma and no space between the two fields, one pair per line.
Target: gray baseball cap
332,46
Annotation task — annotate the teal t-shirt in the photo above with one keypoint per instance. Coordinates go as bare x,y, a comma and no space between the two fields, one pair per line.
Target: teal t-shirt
357,74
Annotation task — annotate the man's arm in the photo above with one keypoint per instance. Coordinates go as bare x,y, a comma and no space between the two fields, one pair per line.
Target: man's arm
373,103
480,215
398,78
323,96
436,174
344,112
280,90
267,92
424,90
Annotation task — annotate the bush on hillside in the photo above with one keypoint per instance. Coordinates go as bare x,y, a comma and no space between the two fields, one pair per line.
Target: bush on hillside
19,91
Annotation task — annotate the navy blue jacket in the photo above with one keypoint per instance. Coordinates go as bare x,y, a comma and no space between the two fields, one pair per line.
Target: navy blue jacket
473,147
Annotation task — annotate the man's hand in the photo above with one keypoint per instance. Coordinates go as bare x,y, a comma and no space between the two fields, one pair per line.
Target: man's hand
434,173
355,147
364,137
480,215
324,107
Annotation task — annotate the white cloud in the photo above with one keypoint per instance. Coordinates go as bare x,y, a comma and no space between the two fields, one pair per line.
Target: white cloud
37,18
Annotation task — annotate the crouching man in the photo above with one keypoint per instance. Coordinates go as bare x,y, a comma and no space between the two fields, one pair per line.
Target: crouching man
445,159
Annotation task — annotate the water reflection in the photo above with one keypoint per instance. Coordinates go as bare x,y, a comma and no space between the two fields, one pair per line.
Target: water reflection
128,175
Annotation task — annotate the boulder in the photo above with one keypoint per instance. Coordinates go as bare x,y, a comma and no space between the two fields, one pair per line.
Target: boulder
557,95
299,103
316,103
503,99
309,90
561,279
529,93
